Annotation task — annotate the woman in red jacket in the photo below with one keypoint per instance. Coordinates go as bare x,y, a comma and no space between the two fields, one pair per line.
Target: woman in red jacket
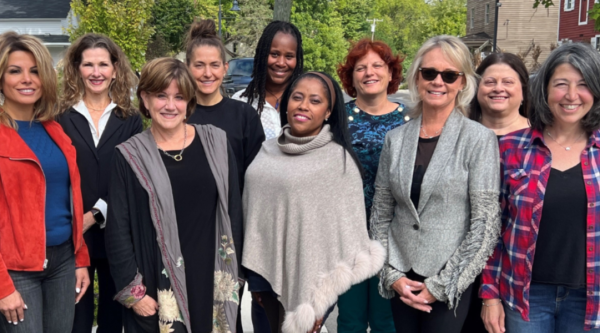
41,213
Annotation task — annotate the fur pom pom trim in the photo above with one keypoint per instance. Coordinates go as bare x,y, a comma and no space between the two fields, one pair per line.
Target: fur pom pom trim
331,285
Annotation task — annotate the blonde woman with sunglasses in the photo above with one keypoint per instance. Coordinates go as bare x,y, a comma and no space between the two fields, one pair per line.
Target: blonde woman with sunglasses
436,207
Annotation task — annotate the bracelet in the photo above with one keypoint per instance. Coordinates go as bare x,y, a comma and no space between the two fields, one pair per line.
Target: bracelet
488,305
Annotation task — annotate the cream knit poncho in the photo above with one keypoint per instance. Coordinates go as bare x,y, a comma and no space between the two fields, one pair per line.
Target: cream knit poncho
305,225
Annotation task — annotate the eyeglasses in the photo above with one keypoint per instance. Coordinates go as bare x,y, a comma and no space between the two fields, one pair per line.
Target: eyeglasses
430,74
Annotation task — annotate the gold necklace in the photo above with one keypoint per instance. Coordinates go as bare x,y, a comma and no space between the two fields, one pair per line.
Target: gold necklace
177,157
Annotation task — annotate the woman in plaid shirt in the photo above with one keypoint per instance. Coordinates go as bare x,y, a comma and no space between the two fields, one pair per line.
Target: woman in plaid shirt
544,275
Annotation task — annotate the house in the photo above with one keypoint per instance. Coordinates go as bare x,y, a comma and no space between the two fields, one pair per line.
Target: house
45,19
575,24
519,24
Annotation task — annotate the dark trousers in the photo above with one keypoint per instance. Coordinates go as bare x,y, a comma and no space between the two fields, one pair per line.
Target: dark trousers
276,313
109,312
410,320
49,294
474,323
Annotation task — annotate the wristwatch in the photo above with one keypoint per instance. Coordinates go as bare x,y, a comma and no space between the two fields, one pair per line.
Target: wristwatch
98,216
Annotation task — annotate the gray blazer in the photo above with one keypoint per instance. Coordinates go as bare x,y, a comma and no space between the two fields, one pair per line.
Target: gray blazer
450,236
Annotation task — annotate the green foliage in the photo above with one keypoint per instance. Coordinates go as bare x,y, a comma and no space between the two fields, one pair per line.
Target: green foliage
354,15
127,22
595,15
545,3
448,17
322,34
249,24
172,18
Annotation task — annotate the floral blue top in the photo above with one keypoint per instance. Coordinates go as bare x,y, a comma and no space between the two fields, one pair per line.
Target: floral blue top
368,133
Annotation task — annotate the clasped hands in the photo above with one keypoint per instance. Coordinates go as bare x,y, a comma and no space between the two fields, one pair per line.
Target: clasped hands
414,294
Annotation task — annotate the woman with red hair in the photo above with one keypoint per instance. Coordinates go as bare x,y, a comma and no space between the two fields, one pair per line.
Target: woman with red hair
370,72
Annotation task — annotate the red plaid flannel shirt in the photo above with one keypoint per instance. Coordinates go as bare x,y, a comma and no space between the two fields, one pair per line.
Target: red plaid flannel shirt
525,167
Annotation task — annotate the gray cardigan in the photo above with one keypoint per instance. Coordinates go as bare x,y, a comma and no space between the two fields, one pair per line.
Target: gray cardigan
450,236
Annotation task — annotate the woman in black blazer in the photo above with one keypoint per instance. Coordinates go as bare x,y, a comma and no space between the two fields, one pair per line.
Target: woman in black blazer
97,116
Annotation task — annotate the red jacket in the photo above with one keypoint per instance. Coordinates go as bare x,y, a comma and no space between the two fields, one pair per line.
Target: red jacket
22,201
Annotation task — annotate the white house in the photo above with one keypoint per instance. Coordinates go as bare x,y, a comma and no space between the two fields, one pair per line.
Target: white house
45,19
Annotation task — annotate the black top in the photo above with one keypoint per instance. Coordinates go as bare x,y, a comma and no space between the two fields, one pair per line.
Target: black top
95,163
195,196
131,239
425,151
560,247
243,127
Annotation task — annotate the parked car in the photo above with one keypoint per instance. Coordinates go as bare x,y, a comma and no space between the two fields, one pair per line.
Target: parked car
238,75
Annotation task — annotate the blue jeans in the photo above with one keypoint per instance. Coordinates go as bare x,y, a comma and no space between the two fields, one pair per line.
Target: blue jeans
49,294
552,308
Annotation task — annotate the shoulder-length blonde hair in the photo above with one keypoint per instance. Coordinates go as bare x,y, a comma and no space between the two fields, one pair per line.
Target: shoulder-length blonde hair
158,74
120,88
458,54
45,108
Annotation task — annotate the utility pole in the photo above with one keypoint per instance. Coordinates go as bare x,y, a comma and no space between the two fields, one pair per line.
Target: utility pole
373,25
498,5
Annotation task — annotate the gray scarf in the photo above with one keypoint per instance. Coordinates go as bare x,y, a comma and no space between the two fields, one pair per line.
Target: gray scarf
142,154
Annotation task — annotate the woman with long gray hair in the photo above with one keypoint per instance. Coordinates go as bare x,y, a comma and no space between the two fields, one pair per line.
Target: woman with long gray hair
544,275
435,207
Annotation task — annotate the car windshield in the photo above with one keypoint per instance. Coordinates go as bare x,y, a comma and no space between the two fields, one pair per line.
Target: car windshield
242,67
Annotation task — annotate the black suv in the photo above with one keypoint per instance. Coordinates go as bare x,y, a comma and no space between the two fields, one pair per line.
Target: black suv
238,75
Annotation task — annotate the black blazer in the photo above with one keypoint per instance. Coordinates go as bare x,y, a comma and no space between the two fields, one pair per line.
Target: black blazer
95,163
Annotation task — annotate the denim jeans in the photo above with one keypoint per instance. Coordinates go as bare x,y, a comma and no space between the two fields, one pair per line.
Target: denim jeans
552,308
49,294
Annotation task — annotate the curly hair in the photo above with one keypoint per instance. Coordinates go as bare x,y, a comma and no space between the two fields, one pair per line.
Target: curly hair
256,88
394,62
120,88
45,108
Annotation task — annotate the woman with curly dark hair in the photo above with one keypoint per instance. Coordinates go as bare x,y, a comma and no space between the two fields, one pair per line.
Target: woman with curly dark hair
97,116
370,73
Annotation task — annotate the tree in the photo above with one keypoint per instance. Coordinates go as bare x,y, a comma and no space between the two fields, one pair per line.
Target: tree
354,15
322,34
448,17
126,22
282,10
172,19
246,30
595,15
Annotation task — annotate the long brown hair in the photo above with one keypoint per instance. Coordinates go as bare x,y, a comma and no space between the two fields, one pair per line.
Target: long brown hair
120,88
45,108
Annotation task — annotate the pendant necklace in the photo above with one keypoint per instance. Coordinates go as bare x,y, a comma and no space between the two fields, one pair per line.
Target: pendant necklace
434,134
277,99
177,157
567,148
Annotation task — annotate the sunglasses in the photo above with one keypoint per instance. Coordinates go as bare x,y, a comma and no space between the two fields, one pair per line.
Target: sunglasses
430,74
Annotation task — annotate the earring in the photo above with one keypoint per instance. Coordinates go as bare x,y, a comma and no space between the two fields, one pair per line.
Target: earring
1,99
326,119
521,102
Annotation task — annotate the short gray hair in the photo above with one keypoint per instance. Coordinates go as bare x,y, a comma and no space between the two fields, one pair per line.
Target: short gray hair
585,59
458,54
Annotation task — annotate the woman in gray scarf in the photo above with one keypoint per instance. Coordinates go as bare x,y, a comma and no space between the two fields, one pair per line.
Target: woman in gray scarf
304,212
174,234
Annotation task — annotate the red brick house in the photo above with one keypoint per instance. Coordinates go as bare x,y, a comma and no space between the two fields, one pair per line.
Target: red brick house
575,24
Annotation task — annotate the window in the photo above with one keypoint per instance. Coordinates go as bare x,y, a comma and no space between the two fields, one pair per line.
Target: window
596,42
487,13
569,5
471,18
583,12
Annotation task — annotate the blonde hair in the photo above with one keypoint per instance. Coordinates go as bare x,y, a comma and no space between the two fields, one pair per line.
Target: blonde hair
158,74
120,88
458,54
45,108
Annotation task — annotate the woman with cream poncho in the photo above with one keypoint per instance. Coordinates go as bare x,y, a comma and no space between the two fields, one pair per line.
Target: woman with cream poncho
304,215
